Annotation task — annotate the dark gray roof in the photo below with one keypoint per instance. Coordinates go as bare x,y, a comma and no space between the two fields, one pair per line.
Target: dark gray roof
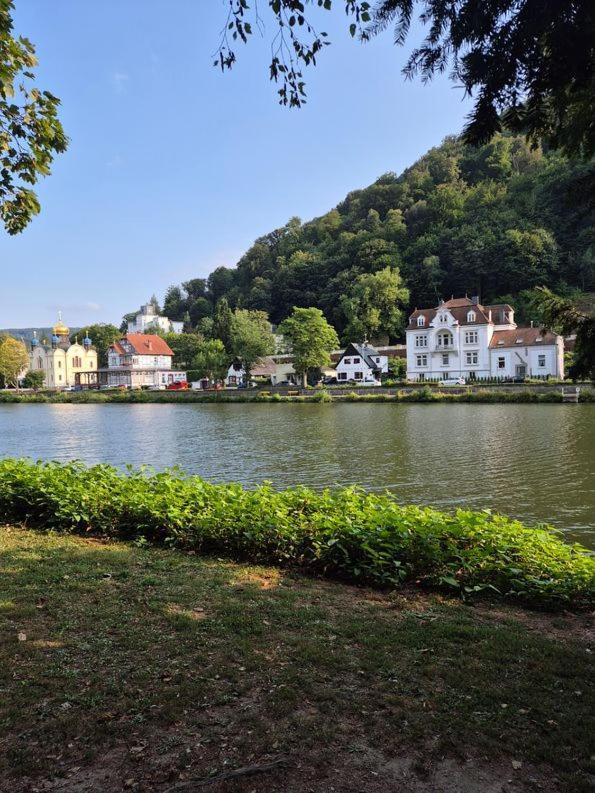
365,351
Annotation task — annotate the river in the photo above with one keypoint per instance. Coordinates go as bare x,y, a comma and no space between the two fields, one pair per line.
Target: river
535,462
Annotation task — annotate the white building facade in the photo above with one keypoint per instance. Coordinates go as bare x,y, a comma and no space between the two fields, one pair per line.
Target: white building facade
360,362
148,320
139,360
463,338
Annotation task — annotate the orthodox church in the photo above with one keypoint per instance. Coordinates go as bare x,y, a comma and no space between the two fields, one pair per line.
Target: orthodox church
60,360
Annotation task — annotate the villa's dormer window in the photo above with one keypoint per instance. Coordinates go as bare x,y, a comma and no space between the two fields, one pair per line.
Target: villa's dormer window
471,316
421,321
443,318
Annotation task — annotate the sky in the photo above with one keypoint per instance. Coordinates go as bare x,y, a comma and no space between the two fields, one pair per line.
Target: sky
174,168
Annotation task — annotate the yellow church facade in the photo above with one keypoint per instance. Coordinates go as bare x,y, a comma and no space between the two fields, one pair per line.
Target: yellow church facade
59,359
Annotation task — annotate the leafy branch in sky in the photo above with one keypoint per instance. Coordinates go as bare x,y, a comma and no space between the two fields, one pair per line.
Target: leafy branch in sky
30,132
527,63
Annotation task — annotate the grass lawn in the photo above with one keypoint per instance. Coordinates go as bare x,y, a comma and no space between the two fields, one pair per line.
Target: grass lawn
130,668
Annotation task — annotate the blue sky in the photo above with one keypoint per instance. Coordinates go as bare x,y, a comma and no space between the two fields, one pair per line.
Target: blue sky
174,168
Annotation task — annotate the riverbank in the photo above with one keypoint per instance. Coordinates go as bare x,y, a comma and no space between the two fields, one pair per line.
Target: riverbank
146,669
418,394
347,534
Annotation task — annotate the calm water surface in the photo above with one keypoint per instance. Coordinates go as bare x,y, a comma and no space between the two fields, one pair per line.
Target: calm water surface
536,462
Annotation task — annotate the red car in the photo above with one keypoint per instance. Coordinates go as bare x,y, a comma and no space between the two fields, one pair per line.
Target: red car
179,386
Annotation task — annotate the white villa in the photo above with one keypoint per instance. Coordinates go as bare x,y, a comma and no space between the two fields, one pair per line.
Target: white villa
134,361
360,362
148,319
59,360
463,338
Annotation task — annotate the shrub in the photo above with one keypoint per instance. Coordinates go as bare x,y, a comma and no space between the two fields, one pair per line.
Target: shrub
360,537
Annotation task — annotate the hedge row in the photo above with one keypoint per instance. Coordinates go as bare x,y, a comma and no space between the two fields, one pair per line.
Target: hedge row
425,394
349,534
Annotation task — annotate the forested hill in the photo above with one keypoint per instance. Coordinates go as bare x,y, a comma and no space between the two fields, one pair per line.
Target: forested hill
493,221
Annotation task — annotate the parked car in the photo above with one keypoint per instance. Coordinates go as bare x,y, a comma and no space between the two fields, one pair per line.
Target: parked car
368,381
453,381
180,385
156,387
329,381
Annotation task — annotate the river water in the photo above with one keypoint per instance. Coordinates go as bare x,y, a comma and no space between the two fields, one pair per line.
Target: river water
535,462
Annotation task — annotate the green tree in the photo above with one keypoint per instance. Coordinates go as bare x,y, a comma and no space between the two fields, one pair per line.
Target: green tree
102,336
34,379
529,64
251,338
13,360
185,347
373,305
311,338
563,316
222,321
174,305
211,360
30,131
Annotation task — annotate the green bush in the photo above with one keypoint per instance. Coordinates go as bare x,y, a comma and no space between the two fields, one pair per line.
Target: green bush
360,537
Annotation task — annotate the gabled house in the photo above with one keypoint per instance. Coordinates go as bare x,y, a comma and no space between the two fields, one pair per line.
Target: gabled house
138,360
463,338
360,362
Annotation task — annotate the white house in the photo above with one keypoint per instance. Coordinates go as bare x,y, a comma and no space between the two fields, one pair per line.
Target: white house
148,319
236,376
463,338
137,360
360,362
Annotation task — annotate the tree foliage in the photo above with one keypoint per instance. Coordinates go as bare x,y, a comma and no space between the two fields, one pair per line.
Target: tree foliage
251,338
565,317
373,306
311,339
102,336
211,360
30,131
34,379
13,360
527,63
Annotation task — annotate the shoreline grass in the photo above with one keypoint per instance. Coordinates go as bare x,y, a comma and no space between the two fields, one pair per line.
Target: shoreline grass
348,534
425,395
147,669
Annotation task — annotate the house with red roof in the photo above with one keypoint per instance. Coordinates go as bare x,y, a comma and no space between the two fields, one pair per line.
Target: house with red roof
463,338
140,360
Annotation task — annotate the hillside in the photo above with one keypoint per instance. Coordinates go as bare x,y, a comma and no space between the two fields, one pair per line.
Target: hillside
493,221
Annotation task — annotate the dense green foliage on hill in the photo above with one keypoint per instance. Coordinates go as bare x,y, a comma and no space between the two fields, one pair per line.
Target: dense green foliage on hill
493,221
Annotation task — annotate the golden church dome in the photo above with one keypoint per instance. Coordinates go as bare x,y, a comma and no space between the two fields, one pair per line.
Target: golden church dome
60,329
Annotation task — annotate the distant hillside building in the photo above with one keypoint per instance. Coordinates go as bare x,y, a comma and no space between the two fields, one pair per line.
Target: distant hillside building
463,338
148,320
59,360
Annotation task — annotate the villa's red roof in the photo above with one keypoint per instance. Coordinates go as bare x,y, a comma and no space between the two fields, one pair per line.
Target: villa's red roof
144,344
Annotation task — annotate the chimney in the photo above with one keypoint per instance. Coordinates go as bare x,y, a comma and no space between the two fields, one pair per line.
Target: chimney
475,300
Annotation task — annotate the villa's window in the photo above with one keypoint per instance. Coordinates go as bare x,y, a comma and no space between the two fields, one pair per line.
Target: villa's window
377,360
541,360
472,358
502,363
471,316
443,318
471,337
358,375
421,341
356,360
421,321
346,360
445,360
341,375
444,340
422,360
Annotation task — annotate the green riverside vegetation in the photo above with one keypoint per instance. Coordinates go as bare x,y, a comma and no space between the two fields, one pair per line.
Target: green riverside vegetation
349,534
425,394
